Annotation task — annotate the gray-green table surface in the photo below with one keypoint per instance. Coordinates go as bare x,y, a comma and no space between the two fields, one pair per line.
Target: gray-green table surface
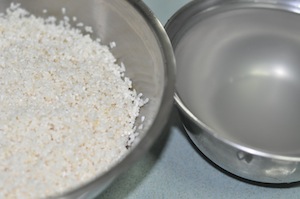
175,169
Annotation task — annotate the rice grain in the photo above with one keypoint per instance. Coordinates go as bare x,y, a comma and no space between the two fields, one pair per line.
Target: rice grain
67,110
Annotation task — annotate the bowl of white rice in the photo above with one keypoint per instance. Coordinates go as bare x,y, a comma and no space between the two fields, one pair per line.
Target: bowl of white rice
86,88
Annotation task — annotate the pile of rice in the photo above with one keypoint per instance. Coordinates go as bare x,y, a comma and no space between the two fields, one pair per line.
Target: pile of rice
66,108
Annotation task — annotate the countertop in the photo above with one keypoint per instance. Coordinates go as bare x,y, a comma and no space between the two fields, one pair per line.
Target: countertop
175,169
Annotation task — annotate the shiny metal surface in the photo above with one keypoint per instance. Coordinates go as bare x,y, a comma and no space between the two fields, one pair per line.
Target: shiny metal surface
238,78
144,48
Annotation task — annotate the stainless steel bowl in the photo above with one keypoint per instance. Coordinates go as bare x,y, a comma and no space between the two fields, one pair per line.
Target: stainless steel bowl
238,84
142,45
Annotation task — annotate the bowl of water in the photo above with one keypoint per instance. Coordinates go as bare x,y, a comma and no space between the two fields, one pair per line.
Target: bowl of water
238,84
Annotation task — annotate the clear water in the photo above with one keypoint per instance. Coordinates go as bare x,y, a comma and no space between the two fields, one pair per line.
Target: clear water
238,72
